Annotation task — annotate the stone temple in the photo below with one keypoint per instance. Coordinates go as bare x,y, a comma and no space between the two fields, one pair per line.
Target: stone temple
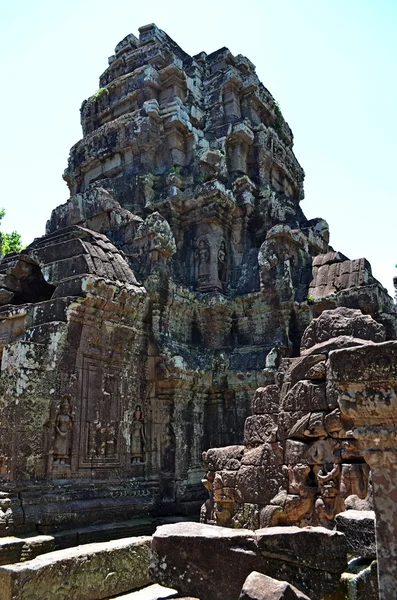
180,280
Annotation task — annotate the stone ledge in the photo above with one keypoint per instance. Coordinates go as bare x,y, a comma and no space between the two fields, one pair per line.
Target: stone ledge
88,572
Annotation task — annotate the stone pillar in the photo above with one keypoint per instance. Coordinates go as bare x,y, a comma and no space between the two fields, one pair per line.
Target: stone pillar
365,379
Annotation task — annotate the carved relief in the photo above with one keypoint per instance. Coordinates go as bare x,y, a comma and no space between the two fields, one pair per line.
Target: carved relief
63,433
138,439
101,414
202,257
324,463
222,262
169,448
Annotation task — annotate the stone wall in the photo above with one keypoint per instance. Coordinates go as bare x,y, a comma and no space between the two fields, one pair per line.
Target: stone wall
181,269
300,463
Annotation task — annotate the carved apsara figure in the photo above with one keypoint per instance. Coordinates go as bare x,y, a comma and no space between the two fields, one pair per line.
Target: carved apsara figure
203,257
110,439
138,439
222,262
63,427
168,454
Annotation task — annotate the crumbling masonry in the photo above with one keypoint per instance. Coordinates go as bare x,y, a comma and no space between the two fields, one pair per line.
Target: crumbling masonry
166,290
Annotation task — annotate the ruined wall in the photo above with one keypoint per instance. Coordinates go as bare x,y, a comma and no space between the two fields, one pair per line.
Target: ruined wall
135,332
300,463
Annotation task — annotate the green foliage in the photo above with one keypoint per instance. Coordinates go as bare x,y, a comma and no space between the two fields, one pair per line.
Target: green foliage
310,299
10,242
98,94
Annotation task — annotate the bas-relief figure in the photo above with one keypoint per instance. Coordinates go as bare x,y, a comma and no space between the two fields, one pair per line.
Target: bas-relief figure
138,439
63,433
180,264
203,260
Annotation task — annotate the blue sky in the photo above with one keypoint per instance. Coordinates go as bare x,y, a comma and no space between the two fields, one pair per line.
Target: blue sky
331,65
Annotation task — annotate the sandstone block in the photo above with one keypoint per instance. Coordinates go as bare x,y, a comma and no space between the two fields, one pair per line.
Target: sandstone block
266,400
342,322
88,572
258,485
301,367
260,429
312,558
229,458
360,581
10,550
151,592
263,454
359,529
305,395
296,452
262,587
209,562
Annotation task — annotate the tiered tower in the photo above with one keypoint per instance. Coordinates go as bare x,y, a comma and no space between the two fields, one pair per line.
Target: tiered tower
136,331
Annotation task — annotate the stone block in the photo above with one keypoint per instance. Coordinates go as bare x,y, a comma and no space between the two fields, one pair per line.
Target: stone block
359,529
206,561
360,581
302,366
312,558
263,455
261,587
296,452
342,322
258,485
266,400
287,420
10,550
88,572
355,478
151,592
305,395
229,458
259,429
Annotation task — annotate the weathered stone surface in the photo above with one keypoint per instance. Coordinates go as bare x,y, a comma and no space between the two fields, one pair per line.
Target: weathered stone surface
260,429
314,547
261,587
300,464
202,560
359,529
10,550
89,572
224,458
199,559
266,400
311,558
360,581
366,383
173,283
342,322
151,592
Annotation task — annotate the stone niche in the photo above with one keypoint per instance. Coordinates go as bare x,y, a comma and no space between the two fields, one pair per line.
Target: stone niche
134,333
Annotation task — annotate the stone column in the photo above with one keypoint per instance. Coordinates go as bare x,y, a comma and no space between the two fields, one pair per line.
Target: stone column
365,379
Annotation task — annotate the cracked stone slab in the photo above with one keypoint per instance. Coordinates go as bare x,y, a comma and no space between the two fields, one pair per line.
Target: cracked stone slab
88,572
